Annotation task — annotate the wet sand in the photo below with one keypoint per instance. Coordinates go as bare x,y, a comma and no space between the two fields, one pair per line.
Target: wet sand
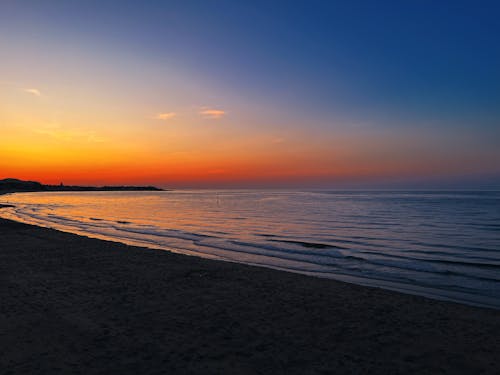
71,304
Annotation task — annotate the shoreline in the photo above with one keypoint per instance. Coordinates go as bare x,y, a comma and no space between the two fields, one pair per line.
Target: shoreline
78,304
412,289
426,291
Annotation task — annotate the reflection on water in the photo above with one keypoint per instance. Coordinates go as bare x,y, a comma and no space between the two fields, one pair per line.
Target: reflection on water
442,244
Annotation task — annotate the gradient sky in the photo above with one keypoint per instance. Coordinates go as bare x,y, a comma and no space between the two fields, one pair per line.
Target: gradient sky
251,94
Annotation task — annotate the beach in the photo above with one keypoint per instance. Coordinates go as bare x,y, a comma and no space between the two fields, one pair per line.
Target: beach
249,187
72,304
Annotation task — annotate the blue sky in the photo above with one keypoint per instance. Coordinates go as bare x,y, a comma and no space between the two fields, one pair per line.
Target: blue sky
426,67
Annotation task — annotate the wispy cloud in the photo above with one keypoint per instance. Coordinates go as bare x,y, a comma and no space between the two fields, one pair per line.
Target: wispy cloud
35,92
75,134
212,113
165,115
278,140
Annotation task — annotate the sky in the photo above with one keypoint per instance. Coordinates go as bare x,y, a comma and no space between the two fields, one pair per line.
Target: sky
257,94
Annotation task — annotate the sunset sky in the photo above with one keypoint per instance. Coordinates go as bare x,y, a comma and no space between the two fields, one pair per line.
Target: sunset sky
251,94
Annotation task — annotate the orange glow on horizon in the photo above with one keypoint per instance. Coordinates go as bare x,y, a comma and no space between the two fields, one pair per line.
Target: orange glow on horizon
81,137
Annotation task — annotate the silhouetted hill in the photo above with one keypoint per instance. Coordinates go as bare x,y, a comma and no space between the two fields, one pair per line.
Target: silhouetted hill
14,185
100,188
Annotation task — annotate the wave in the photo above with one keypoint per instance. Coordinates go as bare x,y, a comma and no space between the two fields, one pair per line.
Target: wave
314,245
335,258
340,248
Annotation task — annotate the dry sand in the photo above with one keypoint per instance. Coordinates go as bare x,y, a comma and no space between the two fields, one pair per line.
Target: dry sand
75,305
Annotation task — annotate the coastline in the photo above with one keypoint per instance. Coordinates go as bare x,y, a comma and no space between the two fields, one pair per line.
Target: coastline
73,303
393,263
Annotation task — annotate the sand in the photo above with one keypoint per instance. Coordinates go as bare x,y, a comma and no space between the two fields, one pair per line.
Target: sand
74,305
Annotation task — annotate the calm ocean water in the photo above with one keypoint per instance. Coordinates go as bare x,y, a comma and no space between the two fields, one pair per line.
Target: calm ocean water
440,244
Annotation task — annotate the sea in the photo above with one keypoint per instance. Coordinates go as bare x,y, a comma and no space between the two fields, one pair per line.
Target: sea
439,244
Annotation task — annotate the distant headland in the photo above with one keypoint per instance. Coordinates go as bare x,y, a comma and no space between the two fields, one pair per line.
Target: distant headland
14,185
